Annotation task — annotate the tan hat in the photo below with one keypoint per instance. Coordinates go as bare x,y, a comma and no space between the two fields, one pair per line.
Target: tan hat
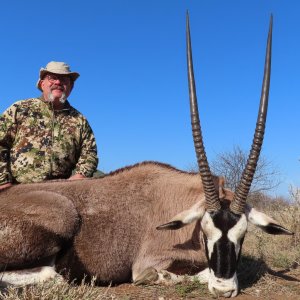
56,67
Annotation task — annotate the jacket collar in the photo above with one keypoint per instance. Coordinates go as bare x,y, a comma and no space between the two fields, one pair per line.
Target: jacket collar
66,105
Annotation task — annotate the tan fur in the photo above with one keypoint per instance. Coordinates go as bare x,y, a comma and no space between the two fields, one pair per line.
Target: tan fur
34,224
119,214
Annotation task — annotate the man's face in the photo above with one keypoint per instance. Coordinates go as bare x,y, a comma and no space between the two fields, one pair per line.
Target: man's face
56,87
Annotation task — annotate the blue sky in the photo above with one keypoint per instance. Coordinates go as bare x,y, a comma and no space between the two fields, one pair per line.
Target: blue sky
133,83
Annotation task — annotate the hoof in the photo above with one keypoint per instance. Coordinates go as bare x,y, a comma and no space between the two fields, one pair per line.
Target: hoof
148,276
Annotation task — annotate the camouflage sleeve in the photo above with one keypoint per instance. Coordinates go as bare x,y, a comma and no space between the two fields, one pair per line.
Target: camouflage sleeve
88,159
8,127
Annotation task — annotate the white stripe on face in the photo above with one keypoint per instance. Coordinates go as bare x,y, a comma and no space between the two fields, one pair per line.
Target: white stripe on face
211,231
237,232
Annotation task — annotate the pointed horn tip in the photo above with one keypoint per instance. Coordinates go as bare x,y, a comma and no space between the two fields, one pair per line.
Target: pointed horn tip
187,17
245,182
271,21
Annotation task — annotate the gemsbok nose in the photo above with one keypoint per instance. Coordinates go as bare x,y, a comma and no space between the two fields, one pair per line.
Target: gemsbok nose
222,293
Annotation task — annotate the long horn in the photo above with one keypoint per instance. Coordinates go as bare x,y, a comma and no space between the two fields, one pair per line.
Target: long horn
239,201
212,199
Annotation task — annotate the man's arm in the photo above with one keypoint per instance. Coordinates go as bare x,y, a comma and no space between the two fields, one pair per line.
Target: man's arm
88,159
7,134
75,177
5,186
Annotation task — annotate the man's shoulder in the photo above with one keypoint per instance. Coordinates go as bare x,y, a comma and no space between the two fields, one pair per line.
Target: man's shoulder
26,102
21,104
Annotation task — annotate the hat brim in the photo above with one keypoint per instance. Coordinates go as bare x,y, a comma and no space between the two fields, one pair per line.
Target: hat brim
43,72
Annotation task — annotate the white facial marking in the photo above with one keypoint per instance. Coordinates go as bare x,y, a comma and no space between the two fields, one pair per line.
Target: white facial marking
194,213
223,287
237,232
211,231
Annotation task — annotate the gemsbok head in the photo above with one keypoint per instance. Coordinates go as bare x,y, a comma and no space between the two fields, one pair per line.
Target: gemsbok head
224,223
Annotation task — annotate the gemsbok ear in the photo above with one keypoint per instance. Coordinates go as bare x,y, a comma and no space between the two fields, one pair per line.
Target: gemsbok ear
185,217
266,223
173,225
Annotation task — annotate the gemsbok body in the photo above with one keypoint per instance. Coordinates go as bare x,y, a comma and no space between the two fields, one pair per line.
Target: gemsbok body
143,223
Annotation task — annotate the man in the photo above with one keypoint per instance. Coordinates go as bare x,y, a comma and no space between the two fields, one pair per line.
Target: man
46,138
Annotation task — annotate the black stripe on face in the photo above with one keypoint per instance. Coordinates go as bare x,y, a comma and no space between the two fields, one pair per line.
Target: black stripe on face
223,260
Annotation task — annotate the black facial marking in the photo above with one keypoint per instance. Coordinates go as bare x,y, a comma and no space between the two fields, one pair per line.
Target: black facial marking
224,219
223,259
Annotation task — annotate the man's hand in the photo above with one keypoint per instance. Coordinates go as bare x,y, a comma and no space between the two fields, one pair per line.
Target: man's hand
5,185
76,177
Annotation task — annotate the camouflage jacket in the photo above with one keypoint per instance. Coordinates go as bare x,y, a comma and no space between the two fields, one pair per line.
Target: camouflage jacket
38,143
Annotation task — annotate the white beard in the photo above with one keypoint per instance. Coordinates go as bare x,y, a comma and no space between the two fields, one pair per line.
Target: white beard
62,99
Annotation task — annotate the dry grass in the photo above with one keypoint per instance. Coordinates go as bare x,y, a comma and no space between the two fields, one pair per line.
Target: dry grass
58,291
270,265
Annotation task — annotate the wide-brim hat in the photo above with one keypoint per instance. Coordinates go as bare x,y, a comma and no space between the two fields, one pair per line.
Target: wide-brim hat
56,67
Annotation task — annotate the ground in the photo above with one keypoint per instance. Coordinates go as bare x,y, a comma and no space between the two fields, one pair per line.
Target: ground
266,284
282,284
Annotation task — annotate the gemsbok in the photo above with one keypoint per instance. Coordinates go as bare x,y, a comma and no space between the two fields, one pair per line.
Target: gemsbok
109,228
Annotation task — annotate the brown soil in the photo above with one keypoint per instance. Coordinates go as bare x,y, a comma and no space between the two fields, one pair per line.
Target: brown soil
280,285
130,292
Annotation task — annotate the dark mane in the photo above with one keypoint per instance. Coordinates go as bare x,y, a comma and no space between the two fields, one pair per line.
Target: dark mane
145,163
118,171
